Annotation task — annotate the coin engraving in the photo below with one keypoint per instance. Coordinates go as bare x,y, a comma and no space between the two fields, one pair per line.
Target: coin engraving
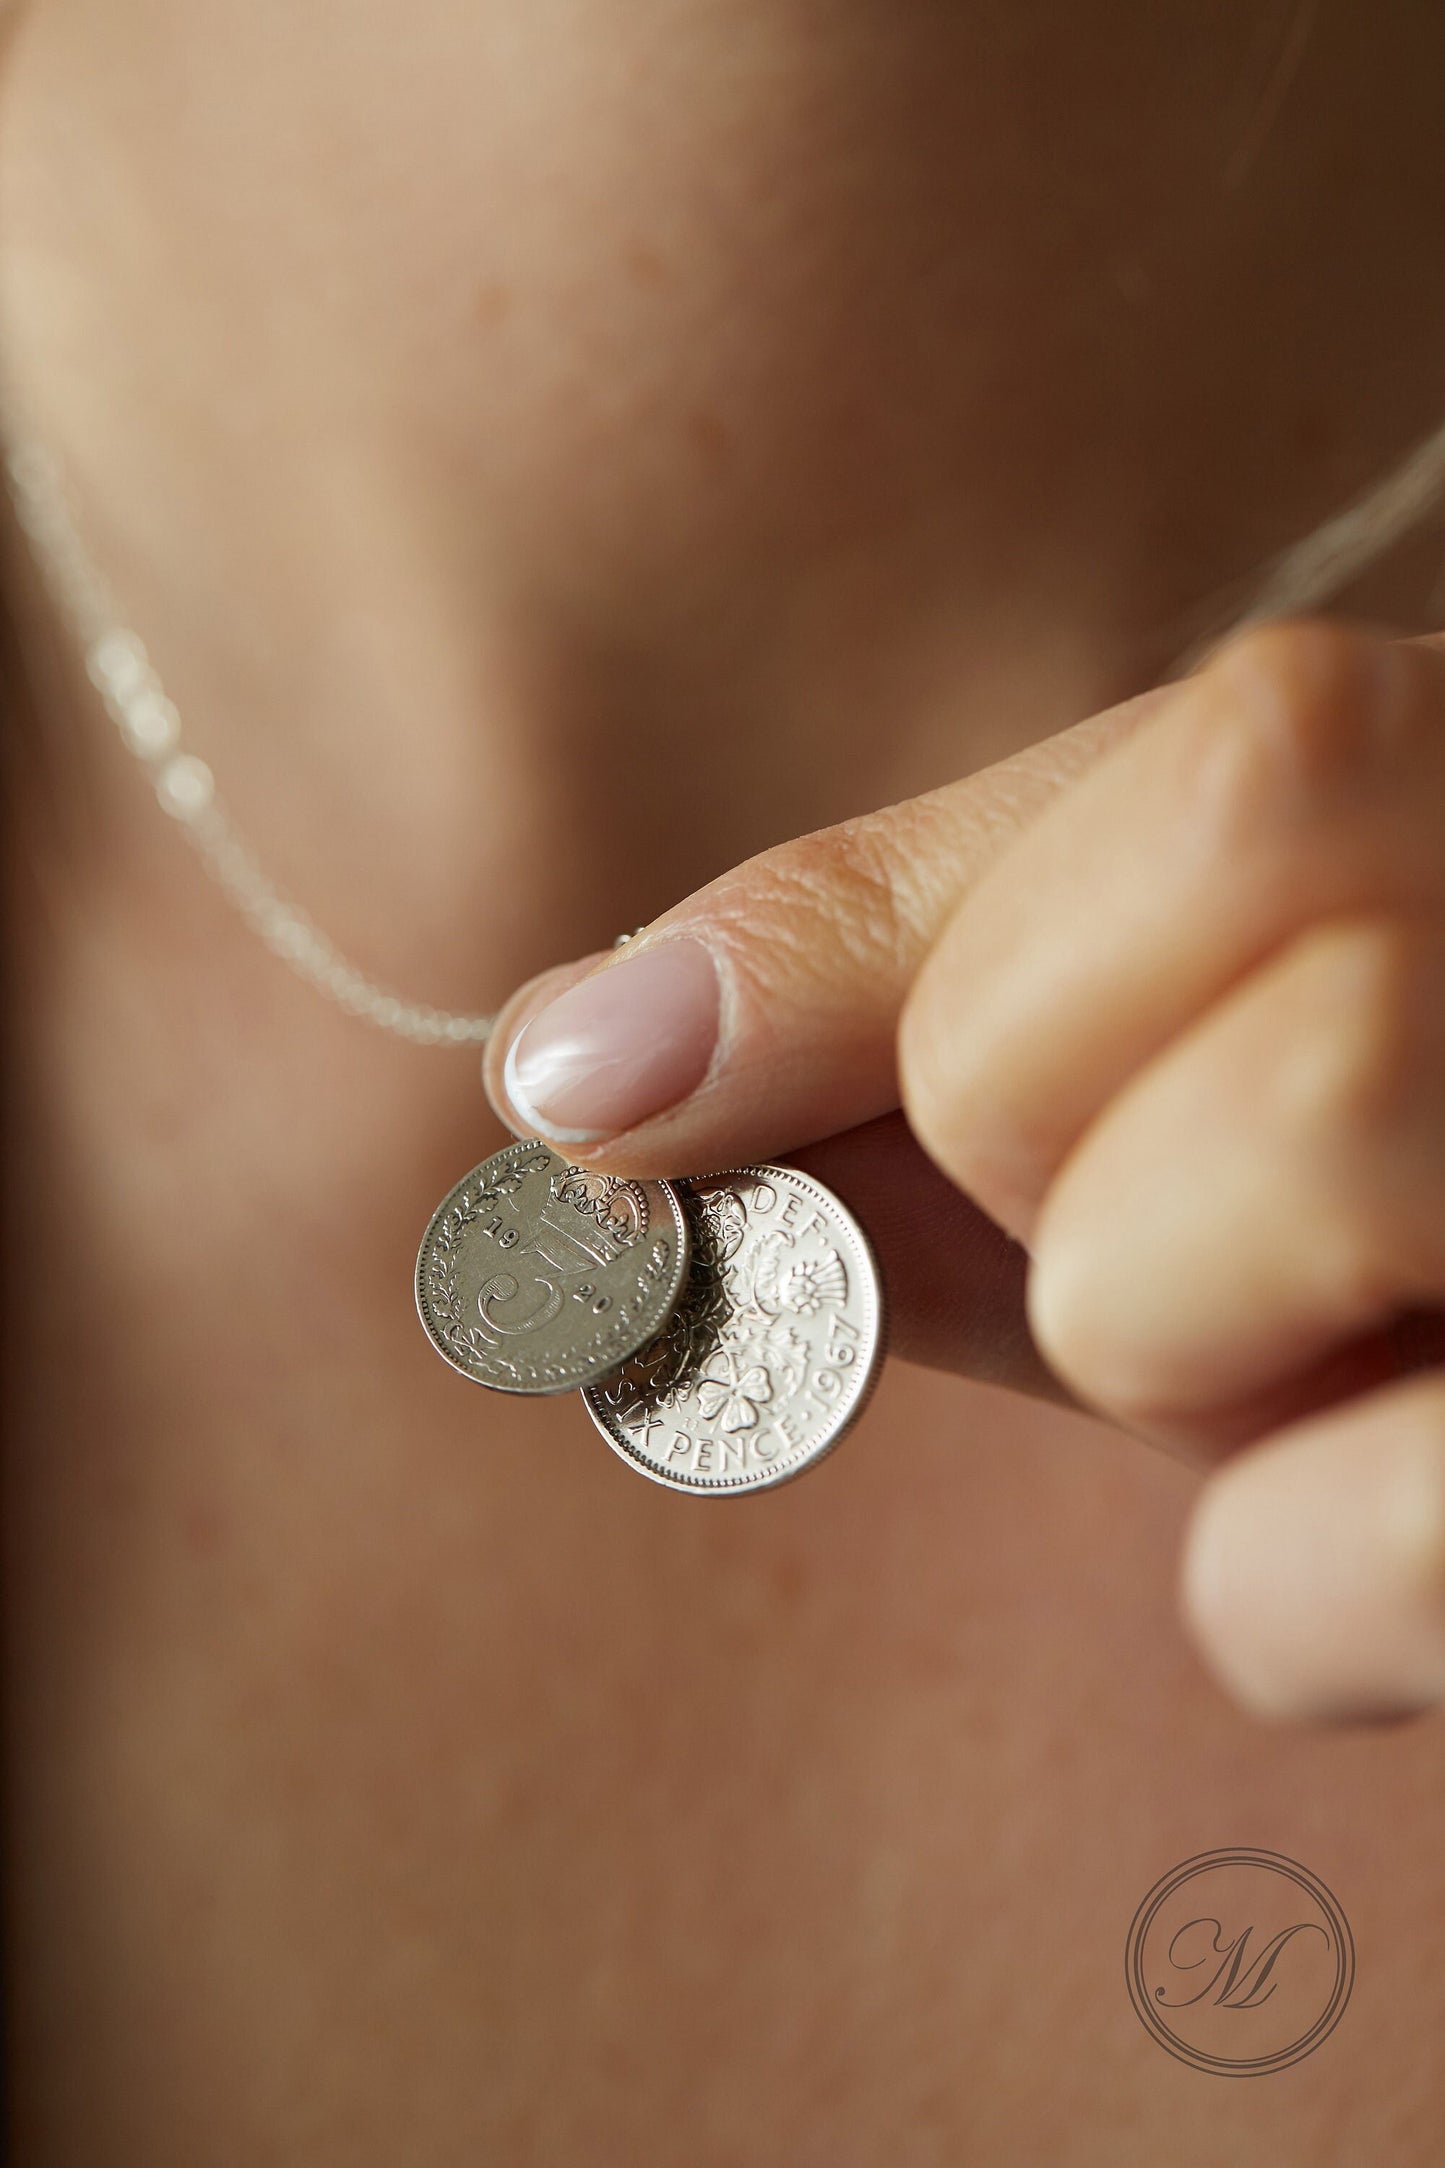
537,1277
772,1351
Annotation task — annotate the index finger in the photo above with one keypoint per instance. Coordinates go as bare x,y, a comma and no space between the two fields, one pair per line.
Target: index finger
761,1014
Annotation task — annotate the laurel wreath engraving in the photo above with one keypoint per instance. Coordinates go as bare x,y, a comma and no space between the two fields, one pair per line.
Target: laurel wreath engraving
467,1341
444,1295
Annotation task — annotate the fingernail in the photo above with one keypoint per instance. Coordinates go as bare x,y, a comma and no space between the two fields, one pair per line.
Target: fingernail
633,1039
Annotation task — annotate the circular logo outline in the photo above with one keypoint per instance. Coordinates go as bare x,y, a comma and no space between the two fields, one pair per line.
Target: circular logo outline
1274,1863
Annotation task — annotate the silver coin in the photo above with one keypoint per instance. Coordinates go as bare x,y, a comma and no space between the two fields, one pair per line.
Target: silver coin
771,1353
537,1277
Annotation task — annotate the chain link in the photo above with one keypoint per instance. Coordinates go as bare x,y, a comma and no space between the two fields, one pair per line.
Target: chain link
150,727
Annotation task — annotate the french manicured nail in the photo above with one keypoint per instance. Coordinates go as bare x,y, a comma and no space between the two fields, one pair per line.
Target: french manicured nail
635,1038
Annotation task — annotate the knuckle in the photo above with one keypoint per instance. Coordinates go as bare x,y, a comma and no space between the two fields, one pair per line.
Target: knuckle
1090,1331
1346,1058
878,911
840,903
1415,1507
1064,1320
1291,722
953,1090
1353,1054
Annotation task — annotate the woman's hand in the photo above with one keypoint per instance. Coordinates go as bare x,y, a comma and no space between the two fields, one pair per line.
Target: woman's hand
1165,1000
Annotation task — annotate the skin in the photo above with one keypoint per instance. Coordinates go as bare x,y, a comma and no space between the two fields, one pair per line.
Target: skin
556,455
1210,1123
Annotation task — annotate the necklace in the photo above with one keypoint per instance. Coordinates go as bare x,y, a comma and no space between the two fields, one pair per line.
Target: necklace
123,674
724,1332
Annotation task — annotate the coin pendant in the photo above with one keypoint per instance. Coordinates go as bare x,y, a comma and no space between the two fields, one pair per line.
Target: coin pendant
537,1277
772,1351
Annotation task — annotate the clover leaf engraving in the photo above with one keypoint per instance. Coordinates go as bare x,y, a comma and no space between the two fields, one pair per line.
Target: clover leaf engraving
731,1395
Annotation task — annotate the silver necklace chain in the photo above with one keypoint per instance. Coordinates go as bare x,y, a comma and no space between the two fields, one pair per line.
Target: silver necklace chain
122,673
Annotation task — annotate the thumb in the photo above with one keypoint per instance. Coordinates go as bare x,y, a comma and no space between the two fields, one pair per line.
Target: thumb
761,1014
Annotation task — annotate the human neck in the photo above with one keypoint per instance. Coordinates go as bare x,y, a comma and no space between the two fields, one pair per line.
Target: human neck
407,550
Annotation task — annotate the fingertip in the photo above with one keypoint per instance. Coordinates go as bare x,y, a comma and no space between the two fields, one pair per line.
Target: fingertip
511,1020
1313,1574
